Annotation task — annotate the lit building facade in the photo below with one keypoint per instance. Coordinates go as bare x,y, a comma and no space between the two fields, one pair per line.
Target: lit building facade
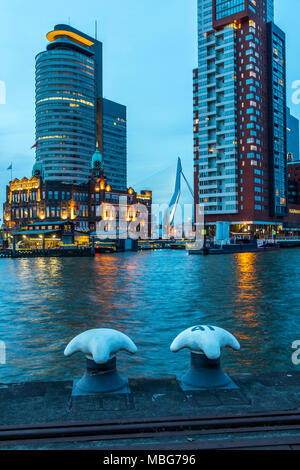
32,200
37,201
114,144
240,159
277,122
294,182
292,129
109,205
68,82
70,111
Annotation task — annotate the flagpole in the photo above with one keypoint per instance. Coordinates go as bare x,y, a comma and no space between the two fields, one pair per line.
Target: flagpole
10,168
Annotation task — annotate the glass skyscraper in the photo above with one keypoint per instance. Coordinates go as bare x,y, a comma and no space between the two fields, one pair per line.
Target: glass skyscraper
70,111
293,152
114,143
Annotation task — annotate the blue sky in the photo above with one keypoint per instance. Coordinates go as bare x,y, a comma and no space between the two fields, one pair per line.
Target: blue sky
150,50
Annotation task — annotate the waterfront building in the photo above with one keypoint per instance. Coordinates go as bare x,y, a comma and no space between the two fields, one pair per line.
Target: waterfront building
240,145
114,143
106,203
72,182
3,238
145,198
293,153
71,114
294,182
293,166
293,220
38,201
50,235
35,199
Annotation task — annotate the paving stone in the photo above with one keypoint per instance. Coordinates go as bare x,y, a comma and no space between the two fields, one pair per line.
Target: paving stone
51,402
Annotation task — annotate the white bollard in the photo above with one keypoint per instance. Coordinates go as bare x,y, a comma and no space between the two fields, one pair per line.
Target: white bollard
100,347
205,344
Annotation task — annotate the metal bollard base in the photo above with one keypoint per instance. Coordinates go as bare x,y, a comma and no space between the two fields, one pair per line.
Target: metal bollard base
100,379
231,385
205,374
78,392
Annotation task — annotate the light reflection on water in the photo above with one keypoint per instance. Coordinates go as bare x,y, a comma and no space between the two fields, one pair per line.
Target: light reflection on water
151,296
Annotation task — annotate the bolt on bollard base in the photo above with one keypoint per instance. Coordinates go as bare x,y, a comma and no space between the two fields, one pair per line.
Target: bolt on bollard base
205,374
100,378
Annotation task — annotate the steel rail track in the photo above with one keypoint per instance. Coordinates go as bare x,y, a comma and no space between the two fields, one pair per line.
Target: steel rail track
159,427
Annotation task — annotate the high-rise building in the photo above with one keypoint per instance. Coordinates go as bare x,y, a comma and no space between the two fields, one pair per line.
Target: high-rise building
294,182
239,114
114,144
292,129
70,111
276,122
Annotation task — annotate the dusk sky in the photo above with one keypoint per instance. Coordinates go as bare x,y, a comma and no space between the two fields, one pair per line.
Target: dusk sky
150,50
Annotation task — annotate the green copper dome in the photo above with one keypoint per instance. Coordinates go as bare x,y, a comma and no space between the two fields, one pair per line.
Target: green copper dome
97,160
37,169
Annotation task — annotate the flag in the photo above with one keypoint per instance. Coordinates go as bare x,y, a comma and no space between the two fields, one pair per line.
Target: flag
35,145
10,167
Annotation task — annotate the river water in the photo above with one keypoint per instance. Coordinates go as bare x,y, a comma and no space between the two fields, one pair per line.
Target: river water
151,296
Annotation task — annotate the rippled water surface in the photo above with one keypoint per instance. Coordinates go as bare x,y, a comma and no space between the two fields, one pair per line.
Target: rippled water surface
151,296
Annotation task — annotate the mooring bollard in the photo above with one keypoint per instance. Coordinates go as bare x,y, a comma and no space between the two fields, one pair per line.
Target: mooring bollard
205,343
100,347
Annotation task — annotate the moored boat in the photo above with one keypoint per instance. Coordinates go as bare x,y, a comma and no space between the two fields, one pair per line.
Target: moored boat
105,247
253,246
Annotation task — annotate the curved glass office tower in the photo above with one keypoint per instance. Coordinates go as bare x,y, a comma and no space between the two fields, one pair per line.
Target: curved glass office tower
68,84
71,113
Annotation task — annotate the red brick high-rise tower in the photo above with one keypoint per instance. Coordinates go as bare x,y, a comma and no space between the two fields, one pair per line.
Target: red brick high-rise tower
240,114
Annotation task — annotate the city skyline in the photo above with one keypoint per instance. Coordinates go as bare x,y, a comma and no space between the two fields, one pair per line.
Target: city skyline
150,180
164,123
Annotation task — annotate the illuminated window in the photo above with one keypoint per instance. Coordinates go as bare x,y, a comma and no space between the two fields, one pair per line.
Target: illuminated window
226,8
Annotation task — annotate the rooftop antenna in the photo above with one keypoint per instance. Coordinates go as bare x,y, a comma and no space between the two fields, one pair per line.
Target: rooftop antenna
96,29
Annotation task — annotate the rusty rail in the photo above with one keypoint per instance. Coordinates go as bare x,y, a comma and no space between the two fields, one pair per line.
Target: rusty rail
164,427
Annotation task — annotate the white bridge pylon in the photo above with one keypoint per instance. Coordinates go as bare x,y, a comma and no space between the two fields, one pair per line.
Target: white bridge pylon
170,213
